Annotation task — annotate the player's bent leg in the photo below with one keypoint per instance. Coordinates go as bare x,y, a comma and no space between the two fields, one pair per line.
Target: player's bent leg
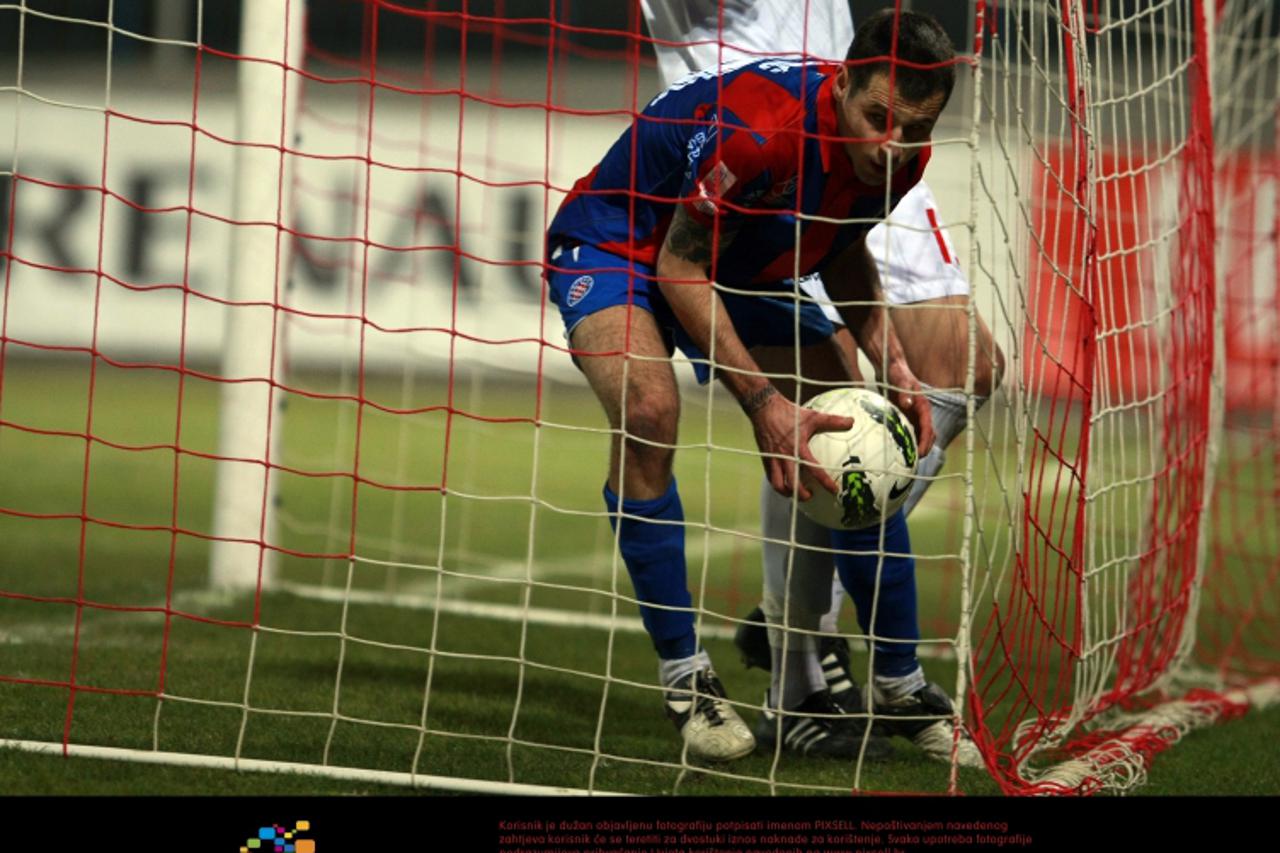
830,364
833,650
639,394
882,584
820,367
802,709
881,581
640,398
935,339
801,712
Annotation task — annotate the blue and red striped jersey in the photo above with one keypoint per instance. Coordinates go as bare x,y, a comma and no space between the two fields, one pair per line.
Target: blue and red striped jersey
750,149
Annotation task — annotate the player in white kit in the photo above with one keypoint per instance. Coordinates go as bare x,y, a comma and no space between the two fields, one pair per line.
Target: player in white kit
928,294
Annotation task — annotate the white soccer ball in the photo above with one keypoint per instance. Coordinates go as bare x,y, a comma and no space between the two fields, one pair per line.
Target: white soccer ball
872,463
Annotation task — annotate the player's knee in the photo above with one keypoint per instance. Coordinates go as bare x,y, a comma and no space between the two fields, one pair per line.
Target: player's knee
653,418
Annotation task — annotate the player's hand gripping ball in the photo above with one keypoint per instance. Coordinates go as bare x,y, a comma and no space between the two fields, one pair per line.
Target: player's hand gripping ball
872,463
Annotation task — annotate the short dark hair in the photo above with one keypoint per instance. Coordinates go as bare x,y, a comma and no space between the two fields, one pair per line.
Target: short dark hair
921,40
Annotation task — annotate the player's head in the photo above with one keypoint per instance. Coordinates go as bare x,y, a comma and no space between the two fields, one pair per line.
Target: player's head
887,122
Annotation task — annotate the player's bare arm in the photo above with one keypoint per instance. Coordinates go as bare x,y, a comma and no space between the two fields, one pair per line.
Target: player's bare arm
782,429
690,241
854,283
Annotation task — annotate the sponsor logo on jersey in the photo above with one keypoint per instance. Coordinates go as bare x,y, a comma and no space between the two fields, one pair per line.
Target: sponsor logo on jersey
779,66
580,288
713,186
693,149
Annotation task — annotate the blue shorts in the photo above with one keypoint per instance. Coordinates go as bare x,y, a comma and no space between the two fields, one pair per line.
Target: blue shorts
583,280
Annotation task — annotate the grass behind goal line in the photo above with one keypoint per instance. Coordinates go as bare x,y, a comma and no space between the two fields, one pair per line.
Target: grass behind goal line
476,672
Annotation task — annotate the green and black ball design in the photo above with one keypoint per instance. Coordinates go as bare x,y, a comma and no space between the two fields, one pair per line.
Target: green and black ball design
856,496
890,417
871,463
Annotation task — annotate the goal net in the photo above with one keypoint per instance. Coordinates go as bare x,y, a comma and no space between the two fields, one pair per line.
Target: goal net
1099,164
1238,596
297,473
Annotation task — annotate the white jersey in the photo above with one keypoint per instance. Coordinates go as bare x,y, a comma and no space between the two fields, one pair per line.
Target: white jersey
752,29
913,253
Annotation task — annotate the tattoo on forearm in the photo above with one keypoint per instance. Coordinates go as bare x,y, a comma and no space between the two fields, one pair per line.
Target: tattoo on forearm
688,240
692,241
755,401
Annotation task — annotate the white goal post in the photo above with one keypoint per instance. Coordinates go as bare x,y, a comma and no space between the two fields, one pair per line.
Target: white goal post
272,41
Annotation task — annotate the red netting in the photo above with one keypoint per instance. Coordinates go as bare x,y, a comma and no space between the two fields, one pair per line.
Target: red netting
404,324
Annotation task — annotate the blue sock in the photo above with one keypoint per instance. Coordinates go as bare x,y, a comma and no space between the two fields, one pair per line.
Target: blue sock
896,615
654,554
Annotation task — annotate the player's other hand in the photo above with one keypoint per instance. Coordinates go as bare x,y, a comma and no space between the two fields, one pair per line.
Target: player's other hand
905,393
783,430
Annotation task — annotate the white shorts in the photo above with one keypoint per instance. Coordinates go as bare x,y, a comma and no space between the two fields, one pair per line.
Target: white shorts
915,257
914,253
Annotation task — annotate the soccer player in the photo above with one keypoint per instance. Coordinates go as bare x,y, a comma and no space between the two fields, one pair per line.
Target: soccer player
742,179
917,265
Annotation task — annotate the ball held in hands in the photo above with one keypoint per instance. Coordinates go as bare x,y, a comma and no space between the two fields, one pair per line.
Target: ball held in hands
872,463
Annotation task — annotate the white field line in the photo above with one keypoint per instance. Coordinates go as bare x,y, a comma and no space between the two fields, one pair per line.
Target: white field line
580,565
534,615
38,632
349,774
500,612
589,565
421,596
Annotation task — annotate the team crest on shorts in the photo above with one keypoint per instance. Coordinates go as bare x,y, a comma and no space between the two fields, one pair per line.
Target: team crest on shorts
580,288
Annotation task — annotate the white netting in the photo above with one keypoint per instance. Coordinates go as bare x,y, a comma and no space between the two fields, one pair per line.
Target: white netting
417,578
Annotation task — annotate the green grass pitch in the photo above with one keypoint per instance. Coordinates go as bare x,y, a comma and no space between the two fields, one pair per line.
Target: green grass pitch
369,672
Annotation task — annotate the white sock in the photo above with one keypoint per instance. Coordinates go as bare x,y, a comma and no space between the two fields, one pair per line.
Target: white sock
797,674
671,671
801,591
949,418
890,689
831,619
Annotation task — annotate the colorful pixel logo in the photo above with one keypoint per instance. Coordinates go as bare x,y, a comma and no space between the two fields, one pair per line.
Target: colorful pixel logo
277,839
